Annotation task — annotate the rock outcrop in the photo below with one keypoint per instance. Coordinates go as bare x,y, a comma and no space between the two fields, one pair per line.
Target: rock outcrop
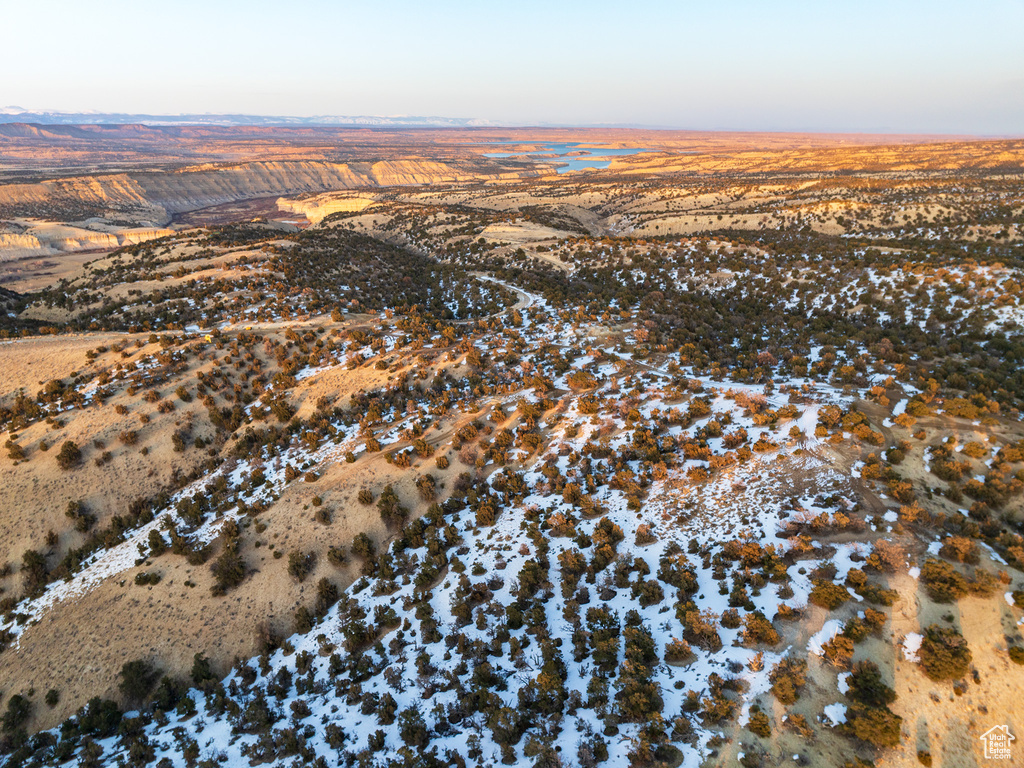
112,190
21,246
50,239
157,196
166,193
317,208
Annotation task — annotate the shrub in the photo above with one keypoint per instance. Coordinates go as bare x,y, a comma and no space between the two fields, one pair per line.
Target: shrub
323,516
70,455
266,638
902,491
301,564
147,578
157,545
645,535
281,409
201,672
34,571
717,707
838,651
364,548
758,630
984,583
788,676
828,594
960,549
879,727
228,569
137,679
759,724
799,724
944,654
412,729
905,420
99,718
326,596
701,630
392,513
943,582
866,686
79,512
888,557
304,620
427,486
678,651
975,450
19,710
486,512
868,435
731,619
875,620
336,556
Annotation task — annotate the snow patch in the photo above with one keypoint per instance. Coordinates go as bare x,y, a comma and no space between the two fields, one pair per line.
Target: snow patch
911,645
818,640
835,713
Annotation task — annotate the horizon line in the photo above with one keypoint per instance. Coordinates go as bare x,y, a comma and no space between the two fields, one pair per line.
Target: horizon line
10,114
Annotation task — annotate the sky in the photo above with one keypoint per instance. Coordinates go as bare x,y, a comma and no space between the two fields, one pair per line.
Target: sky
920,66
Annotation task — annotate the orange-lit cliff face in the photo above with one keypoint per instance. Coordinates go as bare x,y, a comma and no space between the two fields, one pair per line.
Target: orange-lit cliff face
67,173
269,165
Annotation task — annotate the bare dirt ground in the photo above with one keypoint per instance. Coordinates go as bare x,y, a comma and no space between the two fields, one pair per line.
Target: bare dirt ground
37,273
243,210
171,621
936,719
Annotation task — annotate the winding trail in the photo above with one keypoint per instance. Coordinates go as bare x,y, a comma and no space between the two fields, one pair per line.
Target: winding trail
525,301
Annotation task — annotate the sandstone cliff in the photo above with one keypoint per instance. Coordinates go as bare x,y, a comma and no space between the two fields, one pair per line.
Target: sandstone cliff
157,196
165,193
103,191
316,209
49,239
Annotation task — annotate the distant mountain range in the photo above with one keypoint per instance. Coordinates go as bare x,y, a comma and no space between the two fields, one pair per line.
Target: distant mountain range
19,115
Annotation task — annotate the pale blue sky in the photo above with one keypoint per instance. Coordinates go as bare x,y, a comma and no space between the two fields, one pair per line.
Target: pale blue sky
902,65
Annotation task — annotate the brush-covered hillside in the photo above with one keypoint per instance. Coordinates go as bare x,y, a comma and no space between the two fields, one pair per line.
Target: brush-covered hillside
461,478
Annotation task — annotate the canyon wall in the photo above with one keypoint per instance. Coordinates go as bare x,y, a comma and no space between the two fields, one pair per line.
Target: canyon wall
317,208
165,193
117,191
109,203
51,239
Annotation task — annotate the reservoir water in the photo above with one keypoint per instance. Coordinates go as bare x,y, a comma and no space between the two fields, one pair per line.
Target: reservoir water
564,152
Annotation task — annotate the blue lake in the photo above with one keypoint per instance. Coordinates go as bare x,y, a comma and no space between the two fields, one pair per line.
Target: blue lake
559,152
